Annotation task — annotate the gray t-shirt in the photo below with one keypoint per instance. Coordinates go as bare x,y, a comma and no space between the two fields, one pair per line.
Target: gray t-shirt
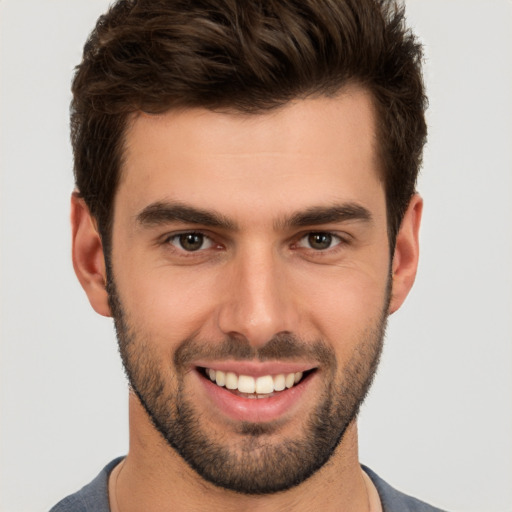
94,496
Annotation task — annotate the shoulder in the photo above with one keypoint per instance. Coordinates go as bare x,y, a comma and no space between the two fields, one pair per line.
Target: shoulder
91,498
396,501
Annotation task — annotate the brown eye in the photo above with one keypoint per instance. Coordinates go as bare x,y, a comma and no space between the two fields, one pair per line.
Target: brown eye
319,241
191,242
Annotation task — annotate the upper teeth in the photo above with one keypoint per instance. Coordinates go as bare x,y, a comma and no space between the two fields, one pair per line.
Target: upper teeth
260,385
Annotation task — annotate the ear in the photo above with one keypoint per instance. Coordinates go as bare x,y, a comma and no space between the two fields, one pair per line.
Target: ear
405,258
88,257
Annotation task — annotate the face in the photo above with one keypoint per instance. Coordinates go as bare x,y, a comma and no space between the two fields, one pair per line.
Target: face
250,283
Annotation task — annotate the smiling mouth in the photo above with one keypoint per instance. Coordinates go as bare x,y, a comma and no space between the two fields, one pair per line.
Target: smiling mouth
246,386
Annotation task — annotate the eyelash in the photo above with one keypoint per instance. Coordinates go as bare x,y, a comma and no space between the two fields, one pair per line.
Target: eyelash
176,237
168,240
332,238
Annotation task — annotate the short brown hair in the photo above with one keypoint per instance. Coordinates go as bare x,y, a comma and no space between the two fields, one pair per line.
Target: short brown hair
250,56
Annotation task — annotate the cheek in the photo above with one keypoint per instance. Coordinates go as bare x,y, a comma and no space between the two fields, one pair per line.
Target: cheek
353,293
171,303
347,305
177,303
165,303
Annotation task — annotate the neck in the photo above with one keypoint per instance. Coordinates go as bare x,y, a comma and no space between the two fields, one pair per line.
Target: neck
153,477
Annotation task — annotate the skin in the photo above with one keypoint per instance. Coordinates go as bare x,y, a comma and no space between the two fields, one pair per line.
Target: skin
257,278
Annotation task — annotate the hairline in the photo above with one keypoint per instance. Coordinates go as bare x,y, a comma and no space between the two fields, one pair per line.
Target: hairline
347,87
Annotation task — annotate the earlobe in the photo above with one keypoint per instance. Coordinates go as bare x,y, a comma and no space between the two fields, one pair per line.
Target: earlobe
88,256
406,255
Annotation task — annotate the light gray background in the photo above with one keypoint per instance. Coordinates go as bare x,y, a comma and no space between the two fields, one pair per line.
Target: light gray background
438,423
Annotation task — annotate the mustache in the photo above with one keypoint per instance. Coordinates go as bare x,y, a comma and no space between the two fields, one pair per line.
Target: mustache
282,347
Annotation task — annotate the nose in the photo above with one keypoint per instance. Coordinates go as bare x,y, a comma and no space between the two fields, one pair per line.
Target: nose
259,300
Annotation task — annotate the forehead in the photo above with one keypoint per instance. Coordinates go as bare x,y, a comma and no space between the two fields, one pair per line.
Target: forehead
308,152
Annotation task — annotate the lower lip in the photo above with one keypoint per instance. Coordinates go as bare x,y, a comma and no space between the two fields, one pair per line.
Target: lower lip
256,410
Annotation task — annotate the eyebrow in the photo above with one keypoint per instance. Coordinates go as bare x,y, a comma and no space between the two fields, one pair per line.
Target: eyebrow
318,215
162,212
166,212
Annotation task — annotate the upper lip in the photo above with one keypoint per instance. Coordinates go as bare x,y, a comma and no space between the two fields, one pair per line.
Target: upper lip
256,368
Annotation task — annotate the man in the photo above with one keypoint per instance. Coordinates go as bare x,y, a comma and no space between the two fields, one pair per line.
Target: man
246,212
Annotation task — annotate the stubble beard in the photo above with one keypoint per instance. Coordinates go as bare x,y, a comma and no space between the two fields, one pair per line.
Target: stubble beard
257,464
